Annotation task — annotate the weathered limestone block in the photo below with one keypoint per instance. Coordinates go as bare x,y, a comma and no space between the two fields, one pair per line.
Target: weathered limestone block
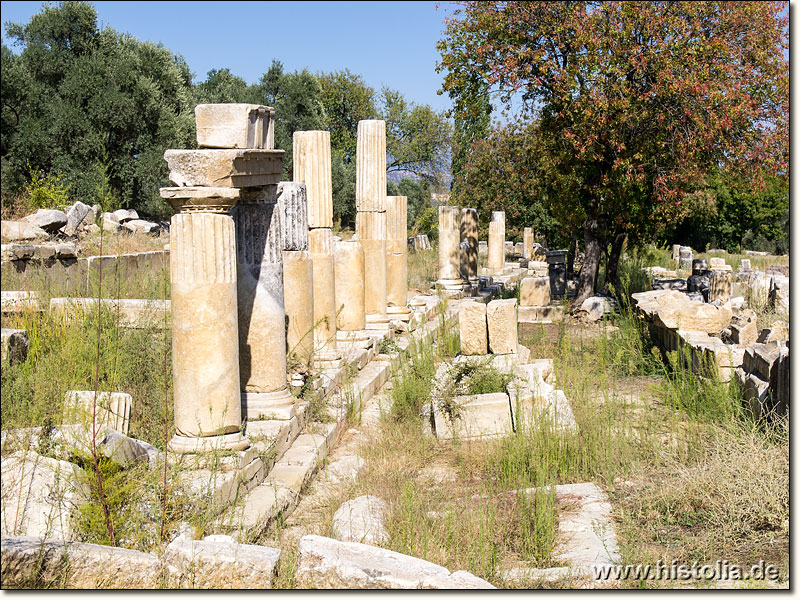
321,249
14,301
476,416
497,254
501,318
362,520
113,408
449,248
527,243
744,333
779,293
716,261
674,310
534,291
49,220
292,198
16,231
235,126
371,166
777,332
298,285
396,280
27,559
312,166
331,564
220,562
224,168
744,265
469,252
349,285
761,359
39,494
77,215
472,328
205,332
14,345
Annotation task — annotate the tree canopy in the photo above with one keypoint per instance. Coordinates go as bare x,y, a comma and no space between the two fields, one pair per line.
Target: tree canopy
97,109
635,102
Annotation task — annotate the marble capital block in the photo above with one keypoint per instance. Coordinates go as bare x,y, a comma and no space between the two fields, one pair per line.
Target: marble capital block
205,334
469,252
292,199
204,199
235,126
527,243
472,328
501,318
320,243
311,151
298,300
224,168
262,330
449,244
534,291
349,285
371,166
497,253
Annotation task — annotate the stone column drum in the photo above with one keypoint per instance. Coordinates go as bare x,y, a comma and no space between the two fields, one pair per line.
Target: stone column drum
469,251
320,246
298,271
527,243
259,269
348,260
397,257
205,337
450,248
371,231
497,250
371,217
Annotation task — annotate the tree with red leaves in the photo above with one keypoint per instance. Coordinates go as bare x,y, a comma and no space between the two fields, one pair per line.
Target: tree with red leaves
635,101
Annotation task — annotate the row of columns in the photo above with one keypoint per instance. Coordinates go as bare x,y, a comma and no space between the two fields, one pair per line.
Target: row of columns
254,264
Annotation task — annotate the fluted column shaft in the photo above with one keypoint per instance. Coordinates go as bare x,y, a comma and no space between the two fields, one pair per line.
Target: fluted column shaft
396,251
469,244
259,266
527,243
349,266
497,241
205,338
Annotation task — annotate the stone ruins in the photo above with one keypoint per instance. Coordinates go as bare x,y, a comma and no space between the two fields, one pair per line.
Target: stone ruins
266,301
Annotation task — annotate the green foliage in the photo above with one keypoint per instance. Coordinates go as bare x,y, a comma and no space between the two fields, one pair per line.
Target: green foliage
734,215
347,99
75,90
419,201
417,137
222,86
44,191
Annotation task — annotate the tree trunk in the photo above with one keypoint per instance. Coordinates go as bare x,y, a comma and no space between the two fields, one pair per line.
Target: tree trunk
593,231
612,275
572,252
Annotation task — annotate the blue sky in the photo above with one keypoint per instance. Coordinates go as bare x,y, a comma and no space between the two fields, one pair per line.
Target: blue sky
387,43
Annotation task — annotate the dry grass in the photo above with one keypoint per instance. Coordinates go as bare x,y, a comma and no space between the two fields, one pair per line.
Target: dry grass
422,270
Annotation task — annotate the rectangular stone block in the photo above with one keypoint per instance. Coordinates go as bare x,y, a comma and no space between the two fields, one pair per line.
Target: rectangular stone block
235,126
476,416
501,317
534,291
237,168
472,327
721,286
113,408
294,211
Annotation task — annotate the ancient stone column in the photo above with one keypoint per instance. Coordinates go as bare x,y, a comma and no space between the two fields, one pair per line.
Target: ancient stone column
259,267
205,336
397,258
527,243
371,217
497,250
348,259
557,270
298,272
312,166
469,250
449,248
